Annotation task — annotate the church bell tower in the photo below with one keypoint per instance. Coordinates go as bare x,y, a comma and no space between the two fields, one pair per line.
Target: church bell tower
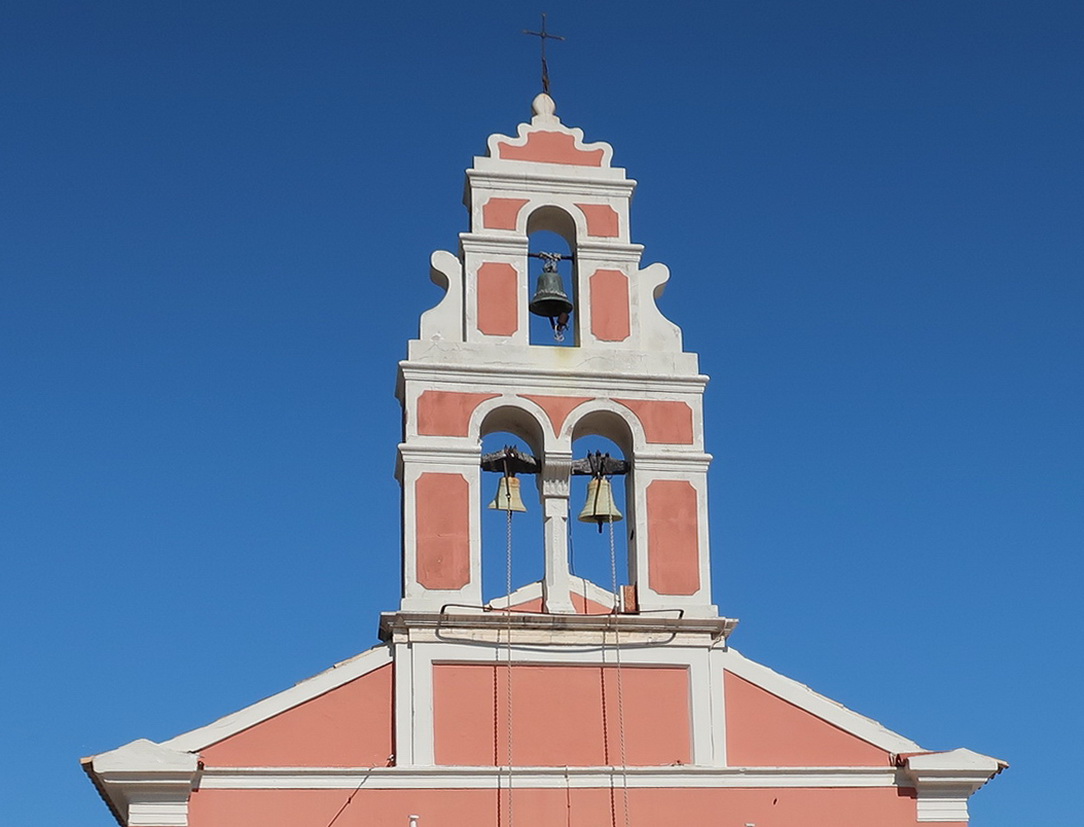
473,370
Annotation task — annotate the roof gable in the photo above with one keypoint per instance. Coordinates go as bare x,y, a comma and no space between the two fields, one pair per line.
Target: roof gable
803,698
338,675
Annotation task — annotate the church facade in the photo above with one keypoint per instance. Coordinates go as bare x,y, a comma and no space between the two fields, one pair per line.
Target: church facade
562,702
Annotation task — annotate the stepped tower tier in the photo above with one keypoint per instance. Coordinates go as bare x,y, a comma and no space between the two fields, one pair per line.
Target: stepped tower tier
473,370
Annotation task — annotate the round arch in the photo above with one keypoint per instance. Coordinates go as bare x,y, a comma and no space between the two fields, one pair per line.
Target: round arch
548,217
515,415
608,419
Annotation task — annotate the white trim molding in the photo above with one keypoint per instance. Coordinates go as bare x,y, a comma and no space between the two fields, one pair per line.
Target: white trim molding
687,776
945,780
146,784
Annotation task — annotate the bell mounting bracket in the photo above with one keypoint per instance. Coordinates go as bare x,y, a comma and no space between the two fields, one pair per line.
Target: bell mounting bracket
512,461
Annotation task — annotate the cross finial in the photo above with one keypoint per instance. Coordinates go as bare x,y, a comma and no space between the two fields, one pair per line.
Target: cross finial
543,36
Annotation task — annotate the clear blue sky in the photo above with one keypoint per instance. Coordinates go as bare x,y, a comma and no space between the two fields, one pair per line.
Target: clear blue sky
215,224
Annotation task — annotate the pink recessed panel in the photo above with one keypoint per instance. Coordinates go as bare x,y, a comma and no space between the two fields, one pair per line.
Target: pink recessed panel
498,299
581,604
442,514
609,305
350,726
673,537
447,413
763,730
557,715
557,408
602,220
551,148
664,421
502,213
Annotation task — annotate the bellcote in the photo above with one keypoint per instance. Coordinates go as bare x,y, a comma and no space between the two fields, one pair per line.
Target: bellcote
548,178
622,374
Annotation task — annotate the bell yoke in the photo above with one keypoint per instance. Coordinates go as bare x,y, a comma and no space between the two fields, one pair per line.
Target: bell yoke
599,508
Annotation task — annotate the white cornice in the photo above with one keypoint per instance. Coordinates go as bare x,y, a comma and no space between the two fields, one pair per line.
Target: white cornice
672,461
523,176
146,783
441,450
945,780
522,377
576,627
508,245
436,778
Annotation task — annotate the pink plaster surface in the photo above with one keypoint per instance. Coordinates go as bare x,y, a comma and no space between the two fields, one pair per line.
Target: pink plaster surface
581,604
498,299
763,730
557,408
502,213
558,807
601,220
585,606
551,148
673,538
532,605
610,306
442,524
447,413
557,715
664,421
350,726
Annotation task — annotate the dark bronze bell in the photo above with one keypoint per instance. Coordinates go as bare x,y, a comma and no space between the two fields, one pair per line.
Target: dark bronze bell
550,299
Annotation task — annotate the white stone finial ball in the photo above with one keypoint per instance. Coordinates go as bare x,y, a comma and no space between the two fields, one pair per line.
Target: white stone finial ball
543,106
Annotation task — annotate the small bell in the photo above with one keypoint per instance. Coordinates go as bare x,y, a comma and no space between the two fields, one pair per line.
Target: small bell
600,507
508,498
550,299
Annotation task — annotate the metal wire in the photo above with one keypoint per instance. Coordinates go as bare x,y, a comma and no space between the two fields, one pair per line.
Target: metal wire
508,677
620,686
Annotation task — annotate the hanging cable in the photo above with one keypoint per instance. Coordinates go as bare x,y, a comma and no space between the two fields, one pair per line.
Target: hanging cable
620,685
356,790
508,660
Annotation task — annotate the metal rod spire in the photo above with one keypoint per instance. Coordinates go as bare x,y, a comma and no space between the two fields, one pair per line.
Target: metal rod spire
543,35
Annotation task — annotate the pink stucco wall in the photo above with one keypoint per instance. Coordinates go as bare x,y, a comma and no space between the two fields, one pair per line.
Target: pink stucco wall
763,730
663,420
580,604
350,726
447,413
557,715
558,807
502,213
557,408
602,220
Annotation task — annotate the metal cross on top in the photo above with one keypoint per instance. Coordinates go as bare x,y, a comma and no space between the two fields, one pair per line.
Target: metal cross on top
542,36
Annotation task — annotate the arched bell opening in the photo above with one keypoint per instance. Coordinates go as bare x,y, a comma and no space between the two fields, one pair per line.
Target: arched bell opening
601,500
551,230
502,476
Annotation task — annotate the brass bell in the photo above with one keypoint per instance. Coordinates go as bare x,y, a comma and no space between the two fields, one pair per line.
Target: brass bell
508,498
600,507
550,299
